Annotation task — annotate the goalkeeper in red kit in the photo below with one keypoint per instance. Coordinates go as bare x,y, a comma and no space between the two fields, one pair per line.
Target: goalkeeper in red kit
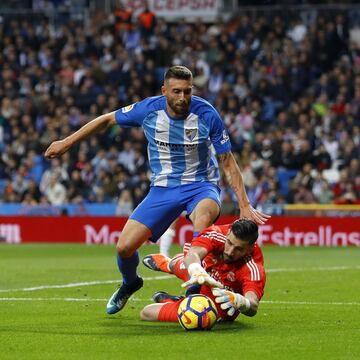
226,263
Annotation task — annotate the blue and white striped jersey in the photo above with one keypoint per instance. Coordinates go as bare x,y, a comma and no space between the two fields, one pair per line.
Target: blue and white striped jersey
179,150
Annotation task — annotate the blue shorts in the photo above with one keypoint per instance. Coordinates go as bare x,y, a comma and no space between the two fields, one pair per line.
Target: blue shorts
163,205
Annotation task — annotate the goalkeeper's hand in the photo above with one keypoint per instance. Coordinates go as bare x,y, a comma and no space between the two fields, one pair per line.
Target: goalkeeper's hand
231,301
198,275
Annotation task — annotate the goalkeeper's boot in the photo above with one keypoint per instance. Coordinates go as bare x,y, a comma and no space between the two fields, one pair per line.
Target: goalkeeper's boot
157,262
120,297
163,297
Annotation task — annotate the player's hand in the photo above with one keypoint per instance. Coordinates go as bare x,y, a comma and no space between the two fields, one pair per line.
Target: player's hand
56,148
198,275
231,301
250,213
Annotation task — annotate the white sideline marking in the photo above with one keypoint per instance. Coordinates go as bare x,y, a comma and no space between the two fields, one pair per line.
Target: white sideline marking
85,283
162,277
147,300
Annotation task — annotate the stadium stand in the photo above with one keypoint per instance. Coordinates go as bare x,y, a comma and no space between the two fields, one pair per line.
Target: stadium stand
288,89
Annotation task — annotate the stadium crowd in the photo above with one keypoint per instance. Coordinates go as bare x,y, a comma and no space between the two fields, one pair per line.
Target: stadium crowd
287,89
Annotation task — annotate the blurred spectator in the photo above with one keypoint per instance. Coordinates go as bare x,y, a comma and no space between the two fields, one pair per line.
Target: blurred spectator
288,89
19,186
123,17
125,205
303,195
322,159
127,156
147,21
32,192
298,31
57,171
228,205
325,196
55,191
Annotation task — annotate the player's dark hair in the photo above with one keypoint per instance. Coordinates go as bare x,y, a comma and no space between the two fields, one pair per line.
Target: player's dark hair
246,230
178,72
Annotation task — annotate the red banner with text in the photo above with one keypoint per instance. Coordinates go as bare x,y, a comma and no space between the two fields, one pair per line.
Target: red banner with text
281,231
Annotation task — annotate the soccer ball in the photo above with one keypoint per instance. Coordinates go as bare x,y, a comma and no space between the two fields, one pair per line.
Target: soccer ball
197,312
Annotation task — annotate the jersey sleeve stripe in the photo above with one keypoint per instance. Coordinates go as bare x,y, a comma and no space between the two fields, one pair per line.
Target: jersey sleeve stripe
256,269
216,232
213,235
251,271
255,274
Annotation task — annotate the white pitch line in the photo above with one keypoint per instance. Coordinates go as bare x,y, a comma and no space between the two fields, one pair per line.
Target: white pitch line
330,268
162,277
147,300
50,299
69,299
86,283
307,302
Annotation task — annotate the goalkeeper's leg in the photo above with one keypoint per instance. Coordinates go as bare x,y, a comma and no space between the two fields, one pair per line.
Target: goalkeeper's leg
178,268
160,312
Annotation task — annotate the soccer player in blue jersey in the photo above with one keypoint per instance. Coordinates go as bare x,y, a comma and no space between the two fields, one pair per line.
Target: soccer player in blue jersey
182,131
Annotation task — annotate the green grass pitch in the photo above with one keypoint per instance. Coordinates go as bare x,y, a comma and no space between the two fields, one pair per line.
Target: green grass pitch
53,299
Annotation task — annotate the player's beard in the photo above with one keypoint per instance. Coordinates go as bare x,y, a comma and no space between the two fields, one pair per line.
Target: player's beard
180,108
227,259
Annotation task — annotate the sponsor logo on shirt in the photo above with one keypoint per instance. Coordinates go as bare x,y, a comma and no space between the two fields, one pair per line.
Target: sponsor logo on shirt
158,131
225,138
127,108
176,146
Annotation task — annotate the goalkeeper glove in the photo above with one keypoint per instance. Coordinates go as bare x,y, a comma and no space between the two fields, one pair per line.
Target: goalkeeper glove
198,275
231,301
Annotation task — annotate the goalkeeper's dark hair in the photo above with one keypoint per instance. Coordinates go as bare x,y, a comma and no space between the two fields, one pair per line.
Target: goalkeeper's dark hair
178,72
246,230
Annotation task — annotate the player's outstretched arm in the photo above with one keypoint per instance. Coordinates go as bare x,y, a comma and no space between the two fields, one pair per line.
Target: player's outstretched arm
197,273
235,180
57,148
231,301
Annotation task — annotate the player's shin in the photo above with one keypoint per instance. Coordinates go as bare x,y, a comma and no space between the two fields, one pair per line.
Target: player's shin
127,267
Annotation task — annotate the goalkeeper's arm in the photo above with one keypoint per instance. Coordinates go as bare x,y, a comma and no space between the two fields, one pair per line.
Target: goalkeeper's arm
231,302
198,275
254,304
195,255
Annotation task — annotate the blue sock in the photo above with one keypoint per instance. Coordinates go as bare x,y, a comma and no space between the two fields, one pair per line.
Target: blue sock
128,267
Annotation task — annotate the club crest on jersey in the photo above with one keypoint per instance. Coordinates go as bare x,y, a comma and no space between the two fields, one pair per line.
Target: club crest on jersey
231,276
190,134
127,108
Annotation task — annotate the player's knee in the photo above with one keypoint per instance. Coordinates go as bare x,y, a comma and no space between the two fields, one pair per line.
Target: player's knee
146,314
124,250
206,219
